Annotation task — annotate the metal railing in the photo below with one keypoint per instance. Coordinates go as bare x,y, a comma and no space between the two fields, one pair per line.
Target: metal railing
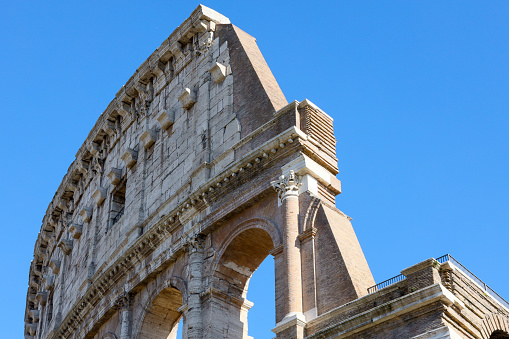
473,277
118,216
386,283
456,263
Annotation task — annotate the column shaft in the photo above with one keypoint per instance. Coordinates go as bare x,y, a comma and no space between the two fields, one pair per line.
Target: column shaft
291,253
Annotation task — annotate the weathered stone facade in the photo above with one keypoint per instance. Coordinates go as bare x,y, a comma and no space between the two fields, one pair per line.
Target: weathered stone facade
193,175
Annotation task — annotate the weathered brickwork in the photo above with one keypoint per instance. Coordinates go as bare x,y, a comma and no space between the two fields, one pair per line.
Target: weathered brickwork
196,172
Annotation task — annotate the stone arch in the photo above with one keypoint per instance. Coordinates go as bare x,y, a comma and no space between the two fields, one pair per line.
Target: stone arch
238,256
260,223
110,335
495,326
310,215
161,310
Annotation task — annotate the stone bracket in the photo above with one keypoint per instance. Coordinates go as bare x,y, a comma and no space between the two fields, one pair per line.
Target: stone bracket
86,213
115,176
218,72
130,157
148,138
187,98
55,266
76,230
99,195
166,119
66,246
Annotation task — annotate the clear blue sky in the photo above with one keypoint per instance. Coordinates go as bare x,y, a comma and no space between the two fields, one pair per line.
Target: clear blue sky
418,90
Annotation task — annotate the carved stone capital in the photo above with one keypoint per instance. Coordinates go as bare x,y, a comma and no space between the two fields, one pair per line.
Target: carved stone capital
195,243
287,186
125,301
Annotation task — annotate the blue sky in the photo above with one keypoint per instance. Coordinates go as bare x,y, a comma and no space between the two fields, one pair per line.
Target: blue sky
418,90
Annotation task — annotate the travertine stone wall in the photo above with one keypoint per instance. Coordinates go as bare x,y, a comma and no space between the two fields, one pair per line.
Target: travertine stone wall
178,194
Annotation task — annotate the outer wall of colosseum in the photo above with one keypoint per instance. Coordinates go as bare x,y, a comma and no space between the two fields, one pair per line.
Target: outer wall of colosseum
196,172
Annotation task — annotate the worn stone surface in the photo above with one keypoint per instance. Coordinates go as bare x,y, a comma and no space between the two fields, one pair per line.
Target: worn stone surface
193,175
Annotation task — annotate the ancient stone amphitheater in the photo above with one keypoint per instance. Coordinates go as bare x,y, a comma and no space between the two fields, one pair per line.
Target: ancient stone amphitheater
195,173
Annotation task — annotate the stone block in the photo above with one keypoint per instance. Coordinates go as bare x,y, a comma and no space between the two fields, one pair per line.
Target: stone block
54,264
42,297
166,118
65,245
148,138
218,72
187,98
115,176
86,213
130,157
76,230
48,281
99,195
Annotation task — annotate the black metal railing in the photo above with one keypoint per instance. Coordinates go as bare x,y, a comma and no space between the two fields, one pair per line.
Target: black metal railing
456,263
472,276
118,216
386,283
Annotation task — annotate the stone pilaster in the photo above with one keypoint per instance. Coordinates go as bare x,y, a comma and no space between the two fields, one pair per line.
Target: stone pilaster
194,313
288,193
125,305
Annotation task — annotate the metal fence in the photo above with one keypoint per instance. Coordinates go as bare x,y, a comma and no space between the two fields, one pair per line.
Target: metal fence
472,276
386,283
456,263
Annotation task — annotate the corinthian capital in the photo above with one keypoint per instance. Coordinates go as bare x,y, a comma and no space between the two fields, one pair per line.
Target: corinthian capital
124,301
287,186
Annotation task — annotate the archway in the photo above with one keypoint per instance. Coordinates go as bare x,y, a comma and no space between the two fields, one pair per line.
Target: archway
239,257
162,316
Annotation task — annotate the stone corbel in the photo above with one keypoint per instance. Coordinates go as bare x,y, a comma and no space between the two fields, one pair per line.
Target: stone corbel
115,176
47,282
140,87
42,297
148,138
66,246
201,26
93,148
187,98
34,281
82,166
99,195
218,72
34,314
159,68
176,49
37,271
46,235
71,186
86,213
32,329
130,157
166,119
76,230
124,109
62,204
55,266
109,127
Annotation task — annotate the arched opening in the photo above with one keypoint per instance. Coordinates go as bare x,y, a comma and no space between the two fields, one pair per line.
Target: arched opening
162,316
262,293
242,256
499,334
